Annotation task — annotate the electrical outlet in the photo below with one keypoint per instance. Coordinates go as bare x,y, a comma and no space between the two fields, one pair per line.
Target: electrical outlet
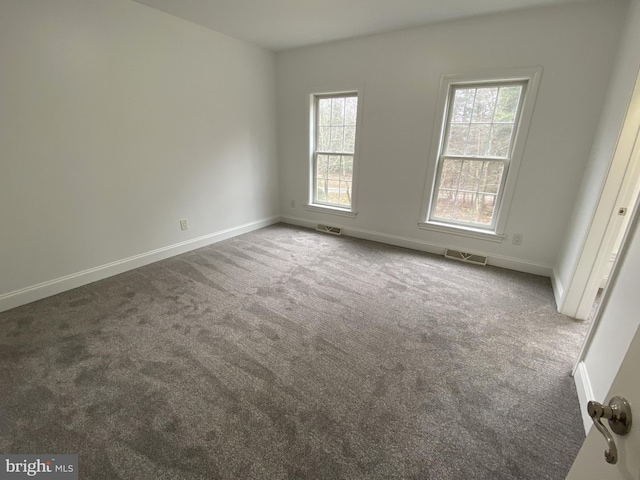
293,204
184,225
517,239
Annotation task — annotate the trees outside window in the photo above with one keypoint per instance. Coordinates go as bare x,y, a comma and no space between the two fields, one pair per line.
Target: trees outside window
334,144
480,144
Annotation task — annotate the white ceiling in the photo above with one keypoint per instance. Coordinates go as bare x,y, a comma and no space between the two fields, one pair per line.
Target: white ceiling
283,24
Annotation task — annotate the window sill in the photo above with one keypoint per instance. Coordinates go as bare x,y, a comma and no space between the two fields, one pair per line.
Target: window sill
332,210
462,231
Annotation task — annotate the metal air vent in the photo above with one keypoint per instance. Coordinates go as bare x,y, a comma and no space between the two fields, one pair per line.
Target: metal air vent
329,229
466,257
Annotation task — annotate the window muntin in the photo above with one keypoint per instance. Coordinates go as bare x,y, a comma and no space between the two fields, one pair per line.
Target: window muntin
476,149
335,119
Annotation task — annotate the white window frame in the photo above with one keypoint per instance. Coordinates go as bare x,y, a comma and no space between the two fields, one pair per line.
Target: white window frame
530,78
312,204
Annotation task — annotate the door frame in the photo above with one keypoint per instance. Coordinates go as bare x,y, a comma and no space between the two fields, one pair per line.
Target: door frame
630,344
624,247
600,240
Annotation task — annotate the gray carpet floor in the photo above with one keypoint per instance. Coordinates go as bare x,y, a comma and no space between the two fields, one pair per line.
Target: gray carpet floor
286,353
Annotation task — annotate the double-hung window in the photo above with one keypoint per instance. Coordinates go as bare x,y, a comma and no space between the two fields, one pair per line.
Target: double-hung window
335,118
480,143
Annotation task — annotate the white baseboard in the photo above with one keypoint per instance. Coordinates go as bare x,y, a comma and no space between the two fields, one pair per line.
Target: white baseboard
414,244
300,222
585,394
62,284
520,265
558,290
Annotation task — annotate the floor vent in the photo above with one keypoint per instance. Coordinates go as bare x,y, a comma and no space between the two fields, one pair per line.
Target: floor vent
466,257
329,229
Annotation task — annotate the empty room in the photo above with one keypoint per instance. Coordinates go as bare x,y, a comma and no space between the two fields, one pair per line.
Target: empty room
286,239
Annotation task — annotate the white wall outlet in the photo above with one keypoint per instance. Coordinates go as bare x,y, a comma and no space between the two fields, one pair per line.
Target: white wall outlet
517,239
184,225
293,204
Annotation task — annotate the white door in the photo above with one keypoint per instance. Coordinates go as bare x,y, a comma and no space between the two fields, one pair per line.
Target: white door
622,309
590,463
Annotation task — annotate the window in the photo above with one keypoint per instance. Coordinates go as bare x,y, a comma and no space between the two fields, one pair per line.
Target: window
334,146
477,146
479,143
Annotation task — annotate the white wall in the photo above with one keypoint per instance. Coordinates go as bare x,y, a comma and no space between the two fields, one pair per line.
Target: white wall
116,121
572,271
400,73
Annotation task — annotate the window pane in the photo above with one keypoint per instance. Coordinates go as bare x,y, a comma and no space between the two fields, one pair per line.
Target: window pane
463,208
492,177
351,111
337,139
334,168
450,173
444,204
321,165
485,104
457,141
463,105
324,113
468,190
470,175
337,111
478,141
336,130
322,161
349,139
501,140
484,209
345,193
482,120
507,107
347,168
333,187
324,139
321,190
